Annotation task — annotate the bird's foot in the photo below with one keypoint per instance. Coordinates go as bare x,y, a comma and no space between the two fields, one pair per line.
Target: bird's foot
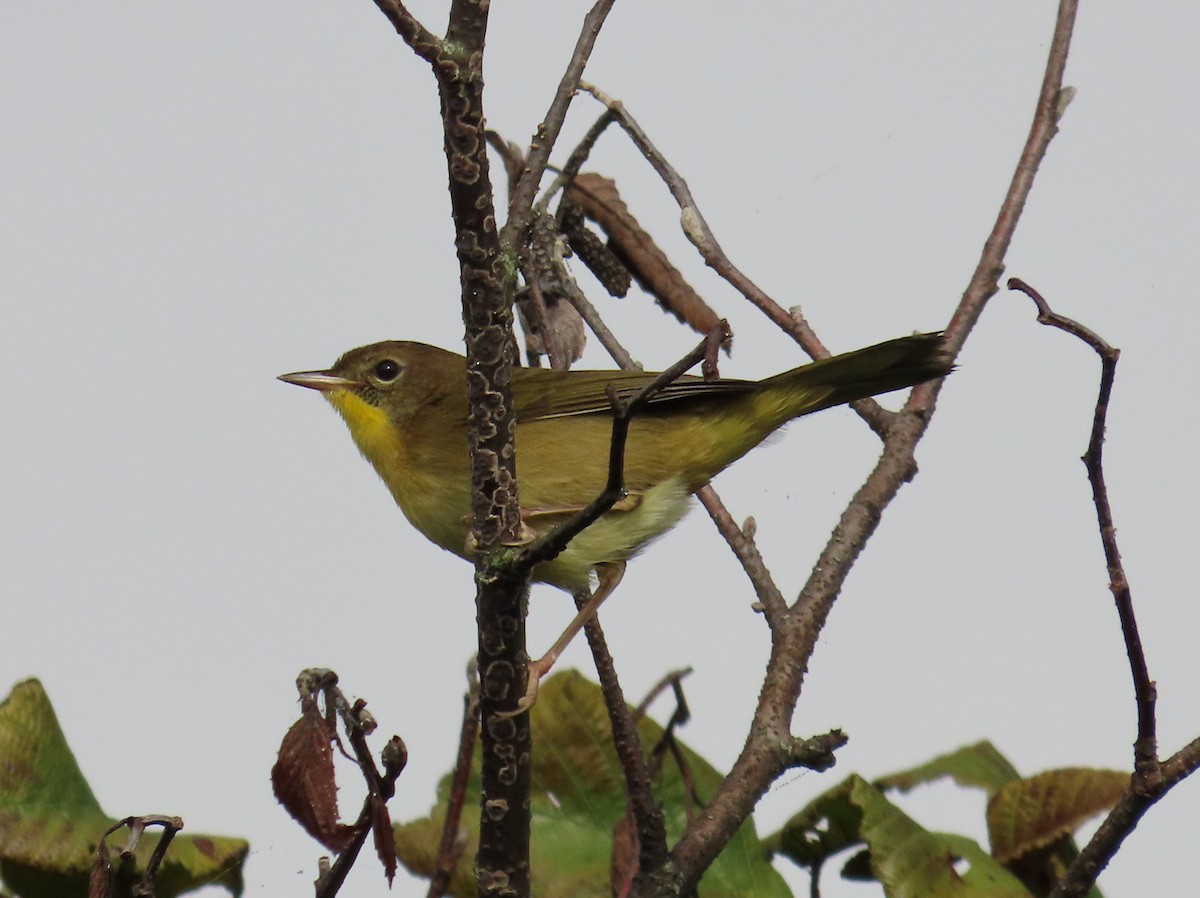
533,679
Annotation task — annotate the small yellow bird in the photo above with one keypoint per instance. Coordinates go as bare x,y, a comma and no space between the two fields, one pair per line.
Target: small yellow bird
405,404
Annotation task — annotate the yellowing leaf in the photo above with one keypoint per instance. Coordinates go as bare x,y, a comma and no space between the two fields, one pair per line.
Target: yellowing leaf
979,765
908,860
1029,814
578,800
51,823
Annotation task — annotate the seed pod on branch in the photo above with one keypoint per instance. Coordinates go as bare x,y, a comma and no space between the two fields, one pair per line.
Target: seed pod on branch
593,252
597,196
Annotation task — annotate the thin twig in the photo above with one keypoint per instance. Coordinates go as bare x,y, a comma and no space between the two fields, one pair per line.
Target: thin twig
359,724
694,225
702,237
145,888
741,541
649,822
102,873
668,743
575,162
544,138
450,847
668,680
1120,822
424,42
1145,748
1151,779
550,545
591,317
768,749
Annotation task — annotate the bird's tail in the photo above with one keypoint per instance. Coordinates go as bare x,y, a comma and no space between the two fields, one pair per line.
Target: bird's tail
893,365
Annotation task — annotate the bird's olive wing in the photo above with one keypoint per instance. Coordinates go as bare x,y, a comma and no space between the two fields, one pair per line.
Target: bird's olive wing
541,393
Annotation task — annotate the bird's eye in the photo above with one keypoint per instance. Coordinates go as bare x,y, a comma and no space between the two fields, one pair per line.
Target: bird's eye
387,370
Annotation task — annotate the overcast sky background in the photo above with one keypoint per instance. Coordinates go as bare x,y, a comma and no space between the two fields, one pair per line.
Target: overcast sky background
198,197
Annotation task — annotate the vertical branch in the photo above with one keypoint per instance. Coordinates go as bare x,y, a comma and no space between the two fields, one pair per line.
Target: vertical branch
1151,779
502,864
1145,748
487,272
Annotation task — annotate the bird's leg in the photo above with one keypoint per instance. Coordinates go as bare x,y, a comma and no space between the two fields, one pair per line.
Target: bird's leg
610,574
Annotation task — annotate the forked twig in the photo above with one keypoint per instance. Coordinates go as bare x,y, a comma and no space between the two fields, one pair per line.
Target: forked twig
770,749
100,882
1145,748
543,141
741,542
670,680
381,786
697,230
1152,779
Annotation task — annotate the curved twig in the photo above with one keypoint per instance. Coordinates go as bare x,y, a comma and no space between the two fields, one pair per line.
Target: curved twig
1145,749
1151,779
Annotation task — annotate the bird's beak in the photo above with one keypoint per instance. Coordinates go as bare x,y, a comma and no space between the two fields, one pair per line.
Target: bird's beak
319,380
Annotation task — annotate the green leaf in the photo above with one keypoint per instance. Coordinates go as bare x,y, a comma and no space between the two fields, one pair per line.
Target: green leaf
578,799
980,765
829,824
51,823
1031,814
908,860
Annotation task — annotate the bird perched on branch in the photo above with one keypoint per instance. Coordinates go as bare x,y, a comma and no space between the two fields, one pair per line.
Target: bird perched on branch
406,406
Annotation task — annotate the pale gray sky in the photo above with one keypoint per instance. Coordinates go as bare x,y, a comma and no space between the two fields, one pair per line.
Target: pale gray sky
198,197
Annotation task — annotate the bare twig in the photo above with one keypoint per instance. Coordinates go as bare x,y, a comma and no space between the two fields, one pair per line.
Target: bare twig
1121,820
101,877
592,318
546,135
1151,779
575,161
693,801
668,681
649,822
741,541
702,237
694,225
359,724
1145,748
770,748
450,847
424,42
